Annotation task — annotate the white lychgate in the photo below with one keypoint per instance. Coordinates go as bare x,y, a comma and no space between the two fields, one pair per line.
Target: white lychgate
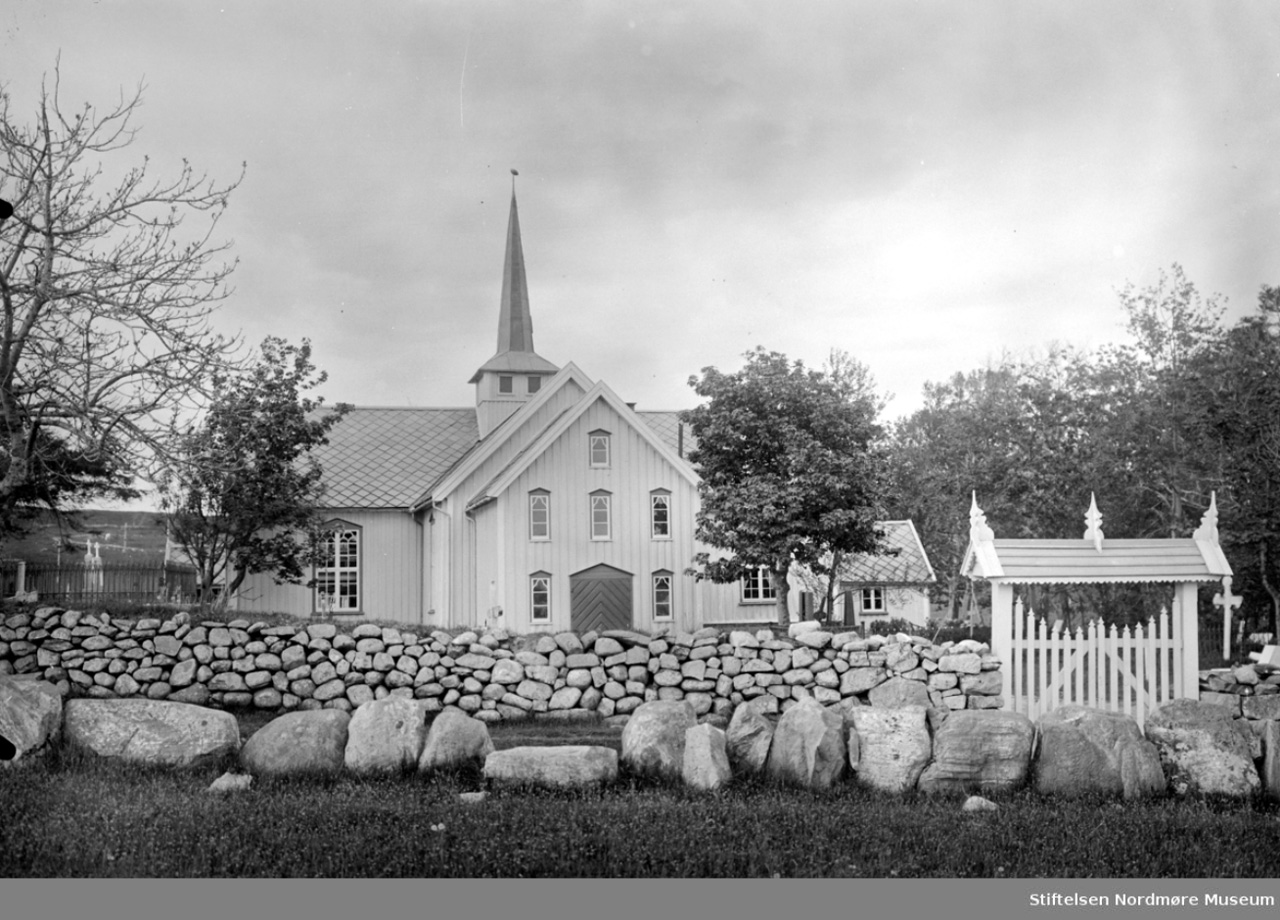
1130,670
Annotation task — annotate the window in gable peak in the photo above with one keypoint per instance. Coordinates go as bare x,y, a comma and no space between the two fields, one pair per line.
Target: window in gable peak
598,444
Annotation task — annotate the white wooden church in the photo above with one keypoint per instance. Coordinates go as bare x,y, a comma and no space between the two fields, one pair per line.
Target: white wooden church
550,504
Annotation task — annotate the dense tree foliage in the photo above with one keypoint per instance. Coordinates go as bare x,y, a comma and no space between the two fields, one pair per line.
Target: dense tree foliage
790,468
1154,427
243,495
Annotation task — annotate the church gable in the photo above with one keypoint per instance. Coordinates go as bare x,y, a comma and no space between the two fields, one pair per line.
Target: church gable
512,437
614,438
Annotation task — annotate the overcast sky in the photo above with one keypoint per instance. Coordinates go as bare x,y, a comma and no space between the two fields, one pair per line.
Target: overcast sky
921,184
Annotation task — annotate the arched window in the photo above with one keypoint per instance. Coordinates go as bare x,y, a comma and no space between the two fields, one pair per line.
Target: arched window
601,515
540,597
660,514
598,446
337,570
539,515
662,597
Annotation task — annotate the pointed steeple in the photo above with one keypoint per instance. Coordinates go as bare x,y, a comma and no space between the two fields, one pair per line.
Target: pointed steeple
515,324
515,372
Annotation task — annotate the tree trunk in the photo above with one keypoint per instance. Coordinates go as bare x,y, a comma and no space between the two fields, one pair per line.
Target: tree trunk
780,586
1271,589
830,602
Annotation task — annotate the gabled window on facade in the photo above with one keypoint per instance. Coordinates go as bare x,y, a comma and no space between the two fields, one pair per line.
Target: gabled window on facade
598,444
540,597
662,609
757,587
505,383
338,569
535,384
873,600
540,515
601,516
660,514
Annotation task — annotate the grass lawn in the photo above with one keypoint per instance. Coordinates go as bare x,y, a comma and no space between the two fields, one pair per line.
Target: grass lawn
78,816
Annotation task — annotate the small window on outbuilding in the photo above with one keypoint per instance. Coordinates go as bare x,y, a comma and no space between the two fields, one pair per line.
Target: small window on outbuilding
873,601
505,383
535,384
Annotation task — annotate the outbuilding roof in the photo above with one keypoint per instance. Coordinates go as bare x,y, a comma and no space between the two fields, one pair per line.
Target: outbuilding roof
905,564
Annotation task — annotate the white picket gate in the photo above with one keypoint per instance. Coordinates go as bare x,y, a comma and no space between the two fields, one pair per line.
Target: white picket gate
1133,670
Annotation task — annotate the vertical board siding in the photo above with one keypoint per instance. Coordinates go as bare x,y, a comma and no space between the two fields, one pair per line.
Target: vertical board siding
390,587
636,468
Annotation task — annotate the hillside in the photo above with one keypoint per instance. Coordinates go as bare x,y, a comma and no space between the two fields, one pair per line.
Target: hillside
125,536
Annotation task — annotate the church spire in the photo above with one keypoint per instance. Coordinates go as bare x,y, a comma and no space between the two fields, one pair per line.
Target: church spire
515,372
515,324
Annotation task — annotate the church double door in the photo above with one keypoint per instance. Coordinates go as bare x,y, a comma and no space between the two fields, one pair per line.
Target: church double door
599,599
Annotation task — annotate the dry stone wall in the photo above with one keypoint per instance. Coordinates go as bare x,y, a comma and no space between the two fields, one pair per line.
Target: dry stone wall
491,675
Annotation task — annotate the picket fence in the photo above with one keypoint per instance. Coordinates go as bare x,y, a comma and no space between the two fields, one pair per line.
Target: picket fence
1132,670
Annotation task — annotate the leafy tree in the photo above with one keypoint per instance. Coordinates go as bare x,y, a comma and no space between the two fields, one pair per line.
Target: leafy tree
107,296
962,440
1148,423
243,498
1238,388
791,470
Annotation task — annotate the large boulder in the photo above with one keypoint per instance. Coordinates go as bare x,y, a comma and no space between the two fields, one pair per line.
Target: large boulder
157,732
564,766
979,750
1090,751
1203,749
653,740
892,746
306,742
706,764
1271,758
455,740
747,739
30,717
385,736
808,746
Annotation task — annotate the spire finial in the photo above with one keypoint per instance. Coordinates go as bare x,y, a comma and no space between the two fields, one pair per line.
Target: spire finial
514,173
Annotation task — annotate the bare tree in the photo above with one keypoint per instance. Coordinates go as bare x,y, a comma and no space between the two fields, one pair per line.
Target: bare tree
107,297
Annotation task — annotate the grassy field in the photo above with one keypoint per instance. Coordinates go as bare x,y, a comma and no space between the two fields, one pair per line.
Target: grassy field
78,816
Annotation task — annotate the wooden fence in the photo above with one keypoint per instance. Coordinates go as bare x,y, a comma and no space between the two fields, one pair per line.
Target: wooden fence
80,583
1133,670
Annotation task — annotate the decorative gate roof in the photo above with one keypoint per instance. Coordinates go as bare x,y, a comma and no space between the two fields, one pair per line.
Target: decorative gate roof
1094,558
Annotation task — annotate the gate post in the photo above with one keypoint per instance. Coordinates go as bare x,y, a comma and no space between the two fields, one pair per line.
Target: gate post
1188,634
1002,637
